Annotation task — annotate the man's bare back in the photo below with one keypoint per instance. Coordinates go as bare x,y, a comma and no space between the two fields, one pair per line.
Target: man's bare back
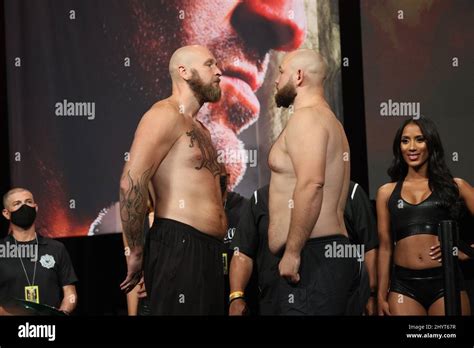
283,178
186,184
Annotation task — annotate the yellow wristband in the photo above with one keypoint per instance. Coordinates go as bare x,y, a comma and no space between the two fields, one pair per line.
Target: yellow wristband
236,294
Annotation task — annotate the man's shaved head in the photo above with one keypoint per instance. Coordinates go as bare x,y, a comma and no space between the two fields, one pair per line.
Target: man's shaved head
312,64
300,68
11,192
186,56
187,62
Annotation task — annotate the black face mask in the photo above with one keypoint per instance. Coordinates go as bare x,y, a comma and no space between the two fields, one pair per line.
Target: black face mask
23,217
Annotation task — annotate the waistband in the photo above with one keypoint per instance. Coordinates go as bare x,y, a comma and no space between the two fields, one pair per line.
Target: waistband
329,238
160,223
402,272
319,242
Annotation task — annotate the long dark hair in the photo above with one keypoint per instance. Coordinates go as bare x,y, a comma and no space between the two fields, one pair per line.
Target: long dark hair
440,179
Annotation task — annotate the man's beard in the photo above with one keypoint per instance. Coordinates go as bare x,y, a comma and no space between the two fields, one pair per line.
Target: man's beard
203,92
286,95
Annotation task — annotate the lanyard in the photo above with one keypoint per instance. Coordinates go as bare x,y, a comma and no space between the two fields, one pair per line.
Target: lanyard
22,265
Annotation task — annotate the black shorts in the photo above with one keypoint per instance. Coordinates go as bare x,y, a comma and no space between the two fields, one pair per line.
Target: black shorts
325,281
360,292
423,285
183,270
143,307
268,291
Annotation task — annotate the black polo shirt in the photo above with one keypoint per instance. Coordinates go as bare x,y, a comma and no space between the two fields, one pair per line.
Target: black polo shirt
359,218
233,206
53,271
251,238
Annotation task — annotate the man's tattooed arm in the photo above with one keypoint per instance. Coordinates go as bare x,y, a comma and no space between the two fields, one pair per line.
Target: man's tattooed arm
133,206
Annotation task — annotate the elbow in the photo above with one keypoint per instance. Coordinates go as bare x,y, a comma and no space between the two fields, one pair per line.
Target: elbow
275,247
272,246
314,184
125,183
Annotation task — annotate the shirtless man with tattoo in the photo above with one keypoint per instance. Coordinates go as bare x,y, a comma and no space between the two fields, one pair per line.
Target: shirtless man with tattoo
309,184
172,156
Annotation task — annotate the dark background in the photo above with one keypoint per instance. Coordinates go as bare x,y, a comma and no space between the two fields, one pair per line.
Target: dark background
410,60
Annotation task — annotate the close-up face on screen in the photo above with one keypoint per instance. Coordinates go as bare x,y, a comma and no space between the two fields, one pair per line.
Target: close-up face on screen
103,64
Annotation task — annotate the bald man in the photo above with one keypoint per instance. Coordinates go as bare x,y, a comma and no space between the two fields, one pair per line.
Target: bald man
309,184
172,157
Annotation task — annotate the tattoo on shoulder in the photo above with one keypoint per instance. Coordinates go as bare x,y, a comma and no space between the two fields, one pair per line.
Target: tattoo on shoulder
133,206
209,153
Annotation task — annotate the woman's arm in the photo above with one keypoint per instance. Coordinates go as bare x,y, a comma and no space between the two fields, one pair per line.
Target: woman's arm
385,247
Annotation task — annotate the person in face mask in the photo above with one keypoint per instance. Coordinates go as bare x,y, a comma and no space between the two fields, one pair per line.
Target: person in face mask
32,267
